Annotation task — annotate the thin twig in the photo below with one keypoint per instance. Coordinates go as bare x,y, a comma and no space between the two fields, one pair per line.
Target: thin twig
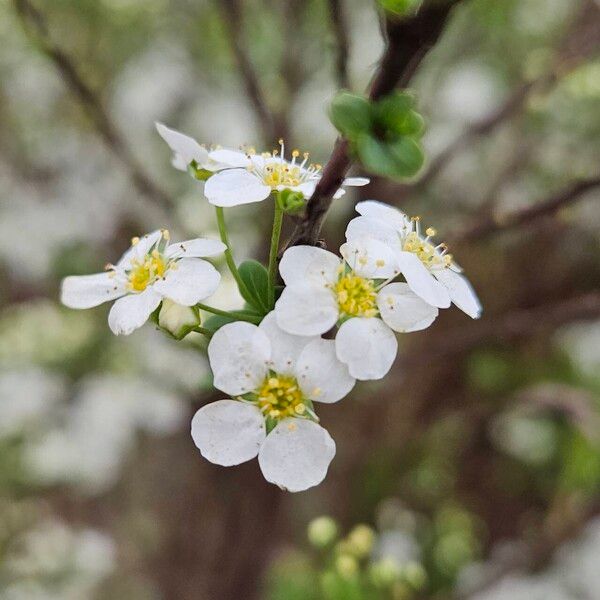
231,11
36,27
496,222
340,30
408,41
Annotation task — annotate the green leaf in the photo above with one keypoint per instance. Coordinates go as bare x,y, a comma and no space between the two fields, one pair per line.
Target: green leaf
350,114
256,278
400,7
215,322
408,155
375,156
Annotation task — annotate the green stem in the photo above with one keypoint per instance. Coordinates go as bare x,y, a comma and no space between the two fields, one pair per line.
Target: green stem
207,332
232,314
275,235
228,254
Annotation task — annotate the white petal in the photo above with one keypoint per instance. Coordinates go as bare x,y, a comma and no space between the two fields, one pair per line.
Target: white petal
239,354
356,181
285,348
188,281
187,148
421,281
139,250
385,213
228,432
461,292
307,264
229,158
87,291
321,375
339,193
306,310
403,310
131,312
179,163
370,258
367,227
233,187
307,188
367,346
197,248
296,455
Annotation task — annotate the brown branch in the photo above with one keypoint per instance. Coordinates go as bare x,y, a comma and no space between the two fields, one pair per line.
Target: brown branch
36,27
408,41
231,11
496,222
340,30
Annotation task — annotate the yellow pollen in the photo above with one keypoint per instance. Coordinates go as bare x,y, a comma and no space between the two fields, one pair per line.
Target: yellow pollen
135,241
426,251
430,231
166,235
277,174
380,262
356,296
295,153
142,274
280,397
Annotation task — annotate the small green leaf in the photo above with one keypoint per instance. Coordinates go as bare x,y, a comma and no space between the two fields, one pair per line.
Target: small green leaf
351,114
256,278
400,7
408,155
376,156
215,322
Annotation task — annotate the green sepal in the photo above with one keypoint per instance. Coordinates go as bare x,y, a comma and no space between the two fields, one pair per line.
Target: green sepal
256,279
399,159
351,114
290,202
198,172
400,7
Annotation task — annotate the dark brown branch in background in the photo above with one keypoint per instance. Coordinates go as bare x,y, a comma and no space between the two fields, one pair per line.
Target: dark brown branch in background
35,25
408,41
231,11
340,30
505,328
496,222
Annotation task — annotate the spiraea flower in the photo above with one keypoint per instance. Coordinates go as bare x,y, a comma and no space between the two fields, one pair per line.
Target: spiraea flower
267,173
151,270
356,294
273,379
428,268
187,152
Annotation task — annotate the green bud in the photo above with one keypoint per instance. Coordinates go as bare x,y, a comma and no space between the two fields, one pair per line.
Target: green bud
197,172
384,572
322,531
351,114
346,566
415,575
360,540
176,319
290,202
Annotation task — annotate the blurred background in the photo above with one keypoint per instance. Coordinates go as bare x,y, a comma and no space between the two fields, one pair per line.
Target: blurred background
471,472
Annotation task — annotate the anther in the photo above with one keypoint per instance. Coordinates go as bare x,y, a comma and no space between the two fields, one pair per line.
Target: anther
135,240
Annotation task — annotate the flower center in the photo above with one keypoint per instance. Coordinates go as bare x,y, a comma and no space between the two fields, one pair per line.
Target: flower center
356,296
278,172
143,273
433,257
280,396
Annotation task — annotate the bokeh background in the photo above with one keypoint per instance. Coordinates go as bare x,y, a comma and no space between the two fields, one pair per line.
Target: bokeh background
472,471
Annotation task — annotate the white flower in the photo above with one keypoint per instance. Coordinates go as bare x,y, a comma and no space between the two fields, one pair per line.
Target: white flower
322,290
428,269
187,150
152,269
265,174
274,378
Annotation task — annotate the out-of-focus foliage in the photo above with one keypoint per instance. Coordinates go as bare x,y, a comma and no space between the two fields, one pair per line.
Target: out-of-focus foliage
461,463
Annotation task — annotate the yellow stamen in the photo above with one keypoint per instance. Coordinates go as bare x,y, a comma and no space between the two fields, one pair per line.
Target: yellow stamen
356,296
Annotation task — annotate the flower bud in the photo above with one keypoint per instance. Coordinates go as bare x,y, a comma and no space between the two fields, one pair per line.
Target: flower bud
178,320
385,572
360,540
346,565
322,531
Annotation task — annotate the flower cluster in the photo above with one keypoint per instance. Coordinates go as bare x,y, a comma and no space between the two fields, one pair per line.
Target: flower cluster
334,322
